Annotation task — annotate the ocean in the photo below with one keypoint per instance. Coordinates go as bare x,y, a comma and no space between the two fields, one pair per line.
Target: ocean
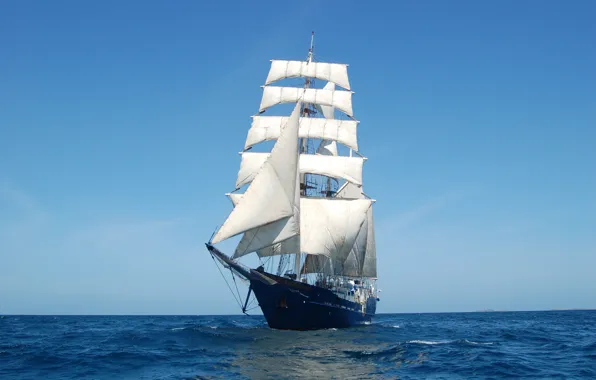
549,344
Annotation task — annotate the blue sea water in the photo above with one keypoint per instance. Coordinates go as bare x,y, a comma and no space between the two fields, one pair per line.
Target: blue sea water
553,344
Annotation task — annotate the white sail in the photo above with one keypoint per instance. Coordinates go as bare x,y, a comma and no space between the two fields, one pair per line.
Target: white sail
352,265
369,267
265,128
332,72
272,239
342,100
349,191
328,227
285,247
369,261
262,239
266,236
336,234
361,259
317,264
348,168
327,148
272,194
235,198
327,111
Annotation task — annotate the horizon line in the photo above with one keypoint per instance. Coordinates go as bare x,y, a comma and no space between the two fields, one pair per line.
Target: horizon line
254,315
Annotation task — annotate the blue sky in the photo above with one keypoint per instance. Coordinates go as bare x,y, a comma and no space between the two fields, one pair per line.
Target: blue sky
120,124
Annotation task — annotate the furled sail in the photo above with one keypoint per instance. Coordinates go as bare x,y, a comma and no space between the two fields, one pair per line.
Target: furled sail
265,128
342,100
348,168
332,72
271,195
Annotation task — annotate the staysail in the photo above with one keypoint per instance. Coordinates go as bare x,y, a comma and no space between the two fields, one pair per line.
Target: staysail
271,196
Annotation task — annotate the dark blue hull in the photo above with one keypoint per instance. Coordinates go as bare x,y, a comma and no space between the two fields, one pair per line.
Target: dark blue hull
292,305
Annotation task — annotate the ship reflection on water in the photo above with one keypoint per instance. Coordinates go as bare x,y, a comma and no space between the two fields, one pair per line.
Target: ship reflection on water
289,359
343,355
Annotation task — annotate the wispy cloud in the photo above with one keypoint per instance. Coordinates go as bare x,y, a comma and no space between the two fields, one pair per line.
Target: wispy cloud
120,237
417,214
19,213
100,265
9,193
24,223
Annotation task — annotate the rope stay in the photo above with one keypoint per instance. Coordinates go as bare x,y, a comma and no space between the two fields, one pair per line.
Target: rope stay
239,302
236,285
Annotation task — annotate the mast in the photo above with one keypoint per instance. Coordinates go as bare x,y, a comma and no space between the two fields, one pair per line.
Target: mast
306,111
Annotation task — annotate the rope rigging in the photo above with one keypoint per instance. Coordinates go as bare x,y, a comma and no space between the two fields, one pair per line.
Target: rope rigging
238,301
235,284
252,304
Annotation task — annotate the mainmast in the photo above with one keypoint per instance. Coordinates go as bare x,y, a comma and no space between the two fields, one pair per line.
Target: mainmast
307,111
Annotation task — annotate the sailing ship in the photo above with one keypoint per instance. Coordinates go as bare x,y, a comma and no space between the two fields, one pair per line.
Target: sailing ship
303,210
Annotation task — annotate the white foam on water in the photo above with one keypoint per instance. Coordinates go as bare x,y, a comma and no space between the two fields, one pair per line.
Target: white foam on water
482,343
431,342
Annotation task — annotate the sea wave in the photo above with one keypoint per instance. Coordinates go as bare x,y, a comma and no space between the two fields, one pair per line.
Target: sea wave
471,345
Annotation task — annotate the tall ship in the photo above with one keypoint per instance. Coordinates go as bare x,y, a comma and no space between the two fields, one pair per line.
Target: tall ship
300,207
